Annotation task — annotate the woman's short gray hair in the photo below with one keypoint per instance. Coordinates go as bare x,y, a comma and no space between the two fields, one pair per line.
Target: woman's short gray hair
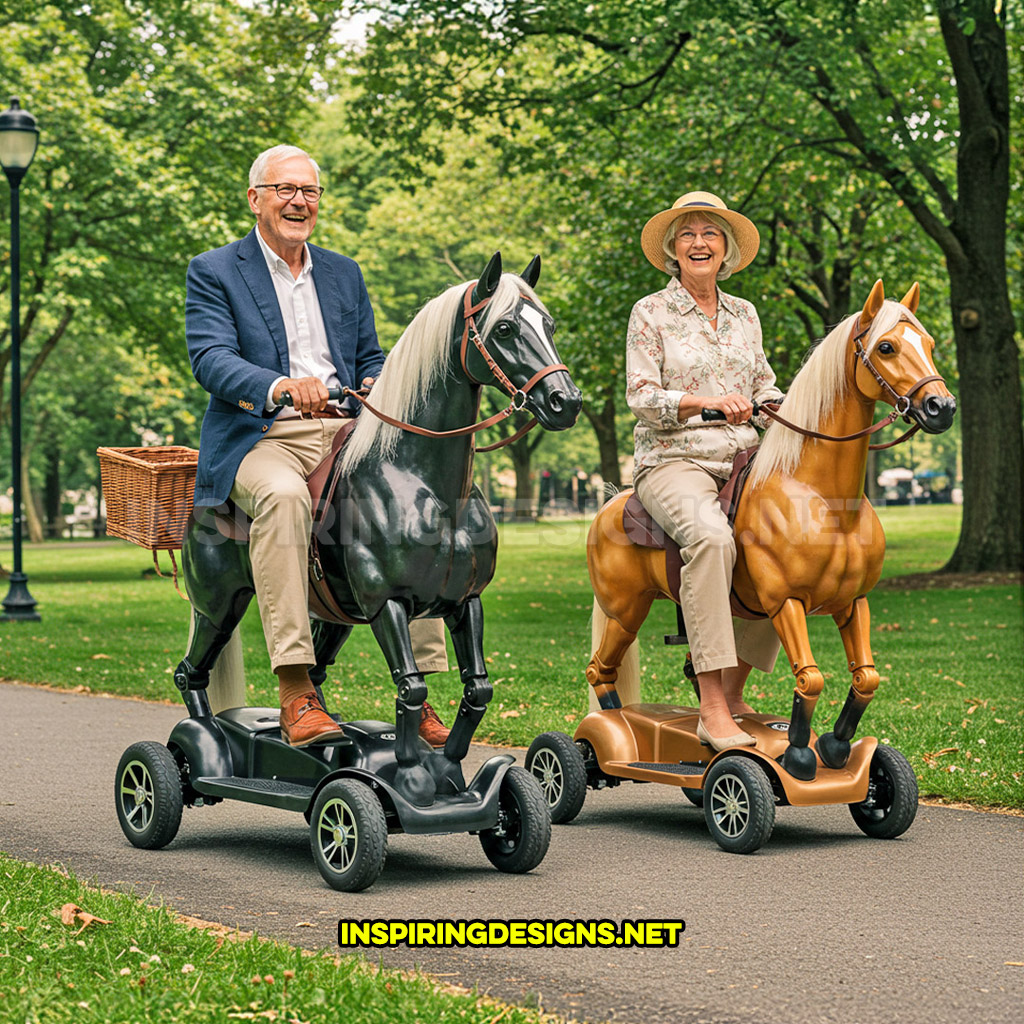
732,250
259,166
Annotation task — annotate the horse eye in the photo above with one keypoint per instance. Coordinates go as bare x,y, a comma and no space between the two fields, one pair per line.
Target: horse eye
887,348
503,330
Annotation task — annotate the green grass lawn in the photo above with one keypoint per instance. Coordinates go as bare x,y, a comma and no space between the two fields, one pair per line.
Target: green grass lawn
950,659
140,963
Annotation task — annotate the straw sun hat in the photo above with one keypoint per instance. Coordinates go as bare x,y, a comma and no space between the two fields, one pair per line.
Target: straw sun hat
653,234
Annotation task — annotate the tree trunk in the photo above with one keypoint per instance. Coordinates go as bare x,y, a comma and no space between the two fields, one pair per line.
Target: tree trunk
523,508
988,358
603,422
33,522
52,492
990,404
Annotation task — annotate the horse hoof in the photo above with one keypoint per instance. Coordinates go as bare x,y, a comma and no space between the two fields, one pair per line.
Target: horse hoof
833,753
800,762
416,785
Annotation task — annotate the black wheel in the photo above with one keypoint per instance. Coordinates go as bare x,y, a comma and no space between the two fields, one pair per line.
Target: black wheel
695,796
556,763
348,835
891,804
739,805
147,795
518,842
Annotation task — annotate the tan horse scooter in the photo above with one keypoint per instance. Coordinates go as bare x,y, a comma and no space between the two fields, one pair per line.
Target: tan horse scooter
809,543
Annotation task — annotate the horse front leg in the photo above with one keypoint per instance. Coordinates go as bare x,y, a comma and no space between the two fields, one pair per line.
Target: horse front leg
791,624
391,628
467,632
854,625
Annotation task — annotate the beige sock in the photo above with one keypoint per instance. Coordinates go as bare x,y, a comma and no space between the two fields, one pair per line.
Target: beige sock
293,682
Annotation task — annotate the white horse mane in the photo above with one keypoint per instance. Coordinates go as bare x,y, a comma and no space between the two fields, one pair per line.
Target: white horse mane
419,358
819,384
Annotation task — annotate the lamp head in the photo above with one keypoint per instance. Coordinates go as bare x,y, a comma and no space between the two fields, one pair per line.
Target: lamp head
19,137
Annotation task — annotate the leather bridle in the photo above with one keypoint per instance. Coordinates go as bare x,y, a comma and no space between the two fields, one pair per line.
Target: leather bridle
518,395
901,403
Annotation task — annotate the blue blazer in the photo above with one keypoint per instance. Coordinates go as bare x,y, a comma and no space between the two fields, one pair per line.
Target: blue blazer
237,346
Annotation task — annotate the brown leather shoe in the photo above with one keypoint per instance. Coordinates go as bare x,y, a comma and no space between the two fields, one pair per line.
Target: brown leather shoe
432,728
304,722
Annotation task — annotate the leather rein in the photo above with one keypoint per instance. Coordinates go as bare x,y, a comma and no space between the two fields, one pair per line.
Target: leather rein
518,395
901,404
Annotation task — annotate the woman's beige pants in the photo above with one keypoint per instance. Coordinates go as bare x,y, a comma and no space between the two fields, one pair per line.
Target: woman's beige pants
683,499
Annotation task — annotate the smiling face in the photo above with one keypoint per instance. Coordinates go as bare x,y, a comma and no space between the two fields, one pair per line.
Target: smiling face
285,224
700,249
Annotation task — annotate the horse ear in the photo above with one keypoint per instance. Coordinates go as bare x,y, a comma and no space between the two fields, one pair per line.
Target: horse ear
873,305
532,272
912,298
489,279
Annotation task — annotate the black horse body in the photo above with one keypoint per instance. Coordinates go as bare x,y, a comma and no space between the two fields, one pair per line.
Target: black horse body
405,536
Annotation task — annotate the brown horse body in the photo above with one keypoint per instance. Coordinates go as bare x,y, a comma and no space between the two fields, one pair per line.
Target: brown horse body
808,540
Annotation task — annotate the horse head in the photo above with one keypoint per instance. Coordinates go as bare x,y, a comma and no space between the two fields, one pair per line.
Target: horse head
513,345
895,361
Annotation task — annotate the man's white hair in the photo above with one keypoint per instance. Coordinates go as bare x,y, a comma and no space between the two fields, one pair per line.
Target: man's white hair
259,166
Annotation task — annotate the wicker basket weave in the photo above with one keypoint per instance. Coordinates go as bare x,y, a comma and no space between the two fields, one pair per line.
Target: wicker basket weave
148,492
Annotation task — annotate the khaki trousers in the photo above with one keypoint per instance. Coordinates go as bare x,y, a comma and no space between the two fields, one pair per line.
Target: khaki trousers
683,499
270,487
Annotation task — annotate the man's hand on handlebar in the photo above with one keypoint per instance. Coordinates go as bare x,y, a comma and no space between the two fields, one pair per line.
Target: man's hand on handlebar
308,394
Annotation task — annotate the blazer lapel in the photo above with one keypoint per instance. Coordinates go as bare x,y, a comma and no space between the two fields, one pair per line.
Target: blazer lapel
327,288
253,267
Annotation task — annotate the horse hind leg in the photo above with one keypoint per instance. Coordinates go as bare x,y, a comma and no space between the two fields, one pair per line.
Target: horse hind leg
328,638
614,670
854,625
791,624
214,654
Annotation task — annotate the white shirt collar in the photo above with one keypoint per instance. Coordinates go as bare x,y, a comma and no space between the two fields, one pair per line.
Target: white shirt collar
275,263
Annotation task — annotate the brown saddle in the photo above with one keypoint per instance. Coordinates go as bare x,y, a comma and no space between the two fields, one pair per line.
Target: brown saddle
641,529
231,522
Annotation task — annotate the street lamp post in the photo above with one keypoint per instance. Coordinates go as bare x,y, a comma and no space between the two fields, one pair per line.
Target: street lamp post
18,139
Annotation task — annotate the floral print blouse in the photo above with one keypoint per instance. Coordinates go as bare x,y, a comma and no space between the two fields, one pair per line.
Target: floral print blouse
671,351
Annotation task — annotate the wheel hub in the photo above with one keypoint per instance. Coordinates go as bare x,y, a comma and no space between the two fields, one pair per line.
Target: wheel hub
140,796
340,835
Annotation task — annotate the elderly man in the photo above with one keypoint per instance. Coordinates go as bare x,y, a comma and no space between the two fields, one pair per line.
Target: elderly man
266,315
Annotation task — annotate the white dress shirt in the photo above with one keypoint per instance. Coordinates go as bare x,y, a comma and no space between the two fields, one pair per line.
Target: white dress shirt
308,354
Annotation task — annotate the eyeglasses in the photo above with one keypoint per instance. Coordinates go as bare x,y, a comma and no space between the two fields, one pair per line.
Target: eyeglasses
688,237
311,193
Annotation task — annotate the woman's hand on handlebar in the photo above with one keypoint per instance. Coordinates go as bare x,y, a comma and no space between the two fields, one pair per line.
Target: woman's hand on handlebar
734,407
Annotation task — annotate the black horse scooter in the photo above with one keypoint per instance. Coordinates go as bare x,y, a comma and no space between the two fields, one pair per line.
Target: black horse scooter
380,777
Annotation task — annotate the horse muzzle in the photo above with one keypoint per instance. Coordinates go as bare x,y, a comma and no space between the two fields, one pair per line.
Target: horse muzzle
556,402
934,413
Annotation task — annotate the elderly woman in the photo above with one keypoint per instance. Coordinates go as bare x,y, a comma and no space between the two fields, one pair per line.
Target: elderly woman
691,347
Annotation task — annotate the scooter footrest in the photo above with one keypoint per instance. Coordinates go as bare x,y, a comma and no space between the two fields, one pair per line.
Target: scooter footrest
271,792
672,767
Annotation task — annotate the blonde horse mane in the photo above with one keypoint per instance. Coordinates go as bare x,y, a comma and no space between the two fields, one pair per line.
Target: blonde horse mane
819,384
419,358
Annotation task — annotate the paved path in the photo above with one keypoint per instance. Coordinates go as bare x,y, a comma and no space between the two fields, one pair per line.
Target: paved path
822,925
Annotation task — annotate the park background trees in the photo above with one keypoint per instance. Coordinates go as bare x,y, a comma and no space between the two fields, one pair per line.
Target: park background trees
865,139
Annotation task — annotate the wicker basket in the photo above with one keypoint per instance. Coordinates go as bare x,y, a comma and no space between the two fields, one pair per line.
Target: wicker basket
148,492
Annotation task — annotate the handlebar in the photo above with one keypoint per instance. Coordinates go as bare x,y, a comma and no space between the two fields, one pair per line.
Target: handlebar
716,414
333,395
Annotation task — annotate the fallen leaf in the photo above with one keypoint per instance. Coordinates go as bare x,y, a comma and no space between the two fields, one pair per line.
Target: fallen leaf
71,912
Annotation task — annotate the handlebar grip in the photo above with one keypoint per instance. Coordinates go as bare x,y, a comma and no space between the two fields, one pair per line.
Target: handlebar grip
333,395
716,414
